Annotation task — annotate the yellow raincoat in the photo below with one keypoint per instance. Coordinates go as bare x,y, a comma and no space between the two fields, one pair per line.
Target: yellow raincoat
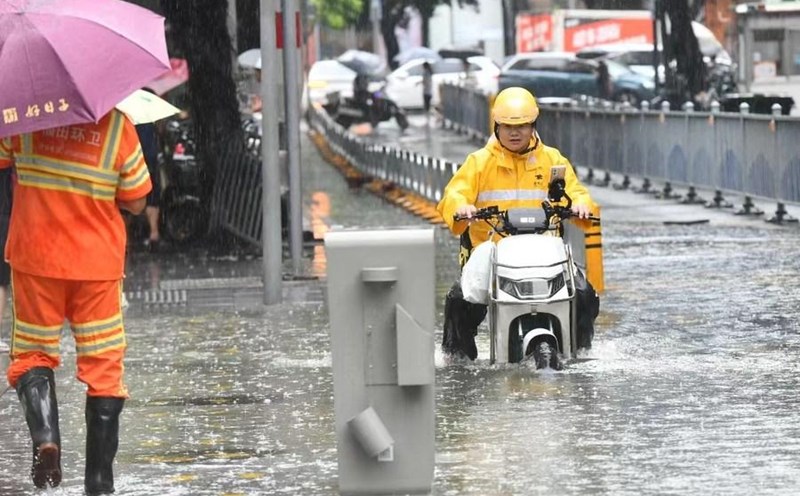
496,176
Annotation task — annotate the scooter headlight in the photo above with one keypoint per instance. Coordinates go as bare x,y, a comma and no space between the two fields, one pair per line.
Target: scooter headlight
531,288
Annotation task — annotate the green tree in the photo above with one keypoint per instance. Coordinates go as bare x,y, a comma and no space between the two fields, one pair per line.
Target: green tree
339,14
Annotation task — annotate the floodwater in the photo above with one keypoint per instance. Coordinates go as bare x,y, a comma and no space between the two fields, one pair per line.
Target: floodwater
692,388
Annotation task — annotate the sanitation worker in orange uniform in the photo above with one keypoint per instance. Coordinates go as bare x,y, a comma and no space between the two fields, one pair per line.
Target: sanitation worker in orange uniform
66,248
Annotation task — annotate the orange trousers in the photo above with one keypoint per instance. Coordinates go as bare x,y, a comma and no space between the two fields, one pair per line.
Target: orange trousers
93,308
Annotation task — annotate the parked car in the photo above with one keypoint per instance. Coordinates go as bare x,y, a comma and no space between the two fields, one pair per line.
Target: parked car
326,76
404,84
561,74
640,57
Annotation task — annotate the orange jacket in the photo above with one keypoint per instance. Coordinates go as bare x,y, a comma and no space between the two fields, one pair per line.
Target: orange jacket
65,222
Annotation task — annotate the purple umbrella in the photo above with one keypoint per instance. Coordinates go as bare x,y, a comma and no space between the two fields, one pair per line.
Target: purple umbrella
70,61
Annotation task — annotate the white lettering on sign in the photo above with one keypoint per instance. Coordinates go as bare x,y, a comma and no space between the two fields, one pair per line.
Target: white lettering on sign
595,35
534,32
528,220
609,32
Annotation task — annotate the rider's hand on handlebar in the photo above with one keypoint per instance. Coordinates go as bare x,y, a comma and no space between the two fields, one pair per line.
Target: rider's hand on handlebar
466,211
581,211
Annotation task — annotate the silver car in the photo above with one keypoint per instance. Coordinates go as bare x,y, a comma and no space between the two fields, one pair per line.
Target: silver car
404,84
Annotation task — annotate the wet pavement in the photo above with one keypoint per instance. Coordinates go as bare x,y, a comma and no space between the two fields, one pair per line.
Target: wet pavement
692,388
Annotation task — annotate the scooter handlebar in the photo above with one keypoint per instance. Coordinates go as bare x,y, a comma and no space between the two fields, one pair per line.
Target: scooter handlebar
492,212
481,214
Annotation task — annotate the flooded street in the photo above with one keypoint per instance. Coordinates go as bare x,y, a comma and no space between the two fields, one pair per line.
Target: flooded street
692,386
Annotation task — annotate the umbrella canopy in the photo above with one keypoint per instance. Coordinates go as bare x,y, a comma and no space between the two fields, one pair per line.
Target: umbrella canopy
175,77
460,52
70,61
250,58
143,107
361,62
415,53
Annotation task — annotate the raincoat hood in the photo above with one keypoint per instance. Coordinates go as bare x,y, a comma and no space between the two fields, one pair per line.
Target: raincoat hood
499,151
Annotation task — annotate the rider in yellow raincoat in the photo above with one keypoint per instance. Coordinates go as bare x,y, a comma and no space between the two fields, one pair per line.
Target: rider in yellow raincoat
512,170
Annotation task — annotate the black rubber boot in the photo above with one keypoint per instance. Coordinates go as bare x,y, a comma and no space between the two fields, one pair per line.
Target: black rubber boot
461,321
588,307
102,440
37,393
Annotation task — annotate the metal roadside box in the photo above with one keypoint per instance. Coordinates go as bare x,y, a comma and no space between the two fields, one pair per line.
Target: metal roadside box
381,301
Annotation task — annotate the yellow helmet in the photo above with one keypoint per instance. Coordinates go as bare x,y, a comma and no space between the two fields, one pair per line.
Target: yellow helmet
515,106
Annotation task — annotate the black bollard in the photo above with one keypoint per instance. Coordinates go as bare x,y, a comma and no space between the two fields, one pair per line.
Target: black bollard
605,181
668,193
719,201
782,216
625,184
749,208
692,198
646,187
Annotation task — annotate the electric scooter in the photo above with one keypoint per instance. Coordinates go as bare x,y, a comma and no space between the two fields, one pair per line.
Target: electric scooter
533,278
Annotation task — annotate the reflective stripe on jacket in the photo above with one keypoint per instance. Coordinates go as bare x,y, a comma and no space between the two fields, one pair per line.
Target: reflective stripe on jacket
496,176
66,223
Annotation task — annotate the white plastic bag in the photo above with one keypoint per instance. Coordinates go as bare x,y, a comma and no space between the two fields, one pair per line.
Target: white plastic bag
475,274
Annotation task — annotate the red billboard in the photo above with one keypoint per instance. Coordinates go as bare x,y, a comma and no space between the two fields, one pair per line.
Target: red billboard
602,32
534,32
571,30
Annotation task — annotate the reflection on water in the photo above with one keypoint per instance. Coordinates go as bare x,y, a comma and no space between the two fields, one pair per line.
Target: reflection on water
691,387
319,214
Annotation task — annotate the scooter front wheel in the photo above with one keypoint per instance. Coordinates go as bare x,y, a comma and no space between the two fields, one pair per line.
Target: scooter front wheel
544,355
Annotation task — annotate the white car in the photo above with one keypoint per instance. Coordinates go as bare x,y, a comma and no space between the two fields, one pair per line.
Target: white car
640,57
326,76
404,84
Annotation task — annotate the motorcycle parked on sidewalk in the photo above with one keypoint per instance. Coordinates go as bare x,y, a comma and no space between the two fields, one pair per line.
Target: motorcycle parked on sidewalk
184,216
374,108
532,299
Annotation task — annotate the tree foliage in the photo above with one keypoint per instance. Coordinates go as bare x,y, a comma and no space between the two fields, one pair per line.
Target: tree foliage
338,14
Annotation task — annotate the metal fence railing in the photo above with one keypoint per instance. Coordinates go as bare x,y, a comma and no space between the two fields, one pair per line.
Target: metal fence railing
237,204
753,155
466,110
414,172
750,154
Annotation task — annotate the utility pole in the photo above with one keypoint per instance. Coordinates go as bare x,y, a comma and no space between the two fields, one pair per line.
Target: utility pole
291,87
271,243
233,26
375,16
